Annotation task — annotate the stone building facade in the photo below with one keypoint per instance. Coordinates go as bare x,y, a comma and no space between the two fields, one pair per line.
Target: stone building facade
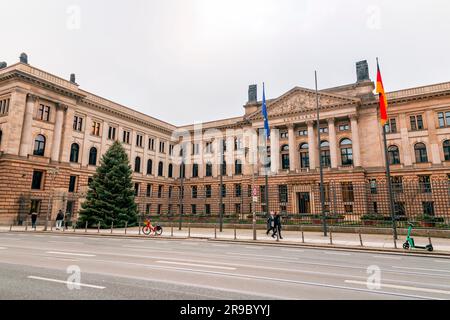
53,134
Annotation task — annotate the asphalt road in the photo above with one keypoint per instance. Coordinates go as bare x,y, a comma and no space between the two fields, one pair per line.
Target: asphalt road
36,266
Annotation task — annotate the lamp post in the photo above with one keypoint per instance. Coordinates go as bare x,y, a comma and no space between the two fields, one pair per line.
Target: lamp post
53,172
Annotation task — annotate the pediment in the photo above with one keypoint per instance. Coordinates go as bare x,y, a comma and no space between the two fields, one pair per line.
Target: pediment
300,100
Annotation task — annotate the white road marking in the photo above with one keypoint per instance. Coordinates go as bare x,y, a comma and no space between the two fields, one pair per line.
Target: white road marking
3,248
71,254
189,244
66,282
253,247
423,269
259,255
62,259
337,253
66,242
220,245
442,261
392,286
293,250
388,257
195,265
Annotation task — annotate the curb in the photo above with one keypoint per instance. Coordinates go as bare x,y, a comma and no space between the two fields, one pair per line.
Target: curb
434,254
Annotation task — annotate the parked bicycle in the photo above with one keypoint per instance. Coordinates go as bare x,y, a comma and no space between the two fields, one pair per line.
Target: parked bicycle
148,229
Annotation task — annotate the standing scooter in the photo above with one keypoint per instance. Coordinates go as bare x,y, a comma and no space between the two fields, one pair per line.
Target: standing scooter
409,244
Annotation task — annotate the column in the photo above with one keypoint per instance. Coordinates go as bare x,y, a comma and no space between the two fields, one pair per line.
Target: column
333,143
26,138
57,133
355,141
312,146
274,150
293,154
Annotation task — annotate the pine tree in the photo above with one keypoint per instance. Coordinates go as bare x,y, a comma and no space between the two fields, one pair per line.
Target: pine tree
110,197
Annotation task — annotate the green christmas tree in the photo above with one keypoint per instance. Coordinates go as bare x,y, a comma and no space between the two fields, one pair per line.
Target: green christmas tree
110,198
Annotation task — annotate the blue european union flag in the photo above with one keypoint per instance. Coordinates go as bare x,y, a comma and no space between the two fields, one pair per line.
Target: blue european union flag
264,112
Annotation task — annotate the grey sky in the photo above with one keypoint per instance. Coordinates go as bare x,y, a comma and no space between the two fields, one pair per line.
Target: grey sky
186,61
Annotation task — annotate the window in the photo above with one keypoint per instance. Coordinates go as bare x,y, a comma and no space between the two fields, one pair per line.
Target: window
183,170
72,183
36,183
283,193
400,208
159,209
421,153
237,190
95,128
74,152
170,192
171,150
126,137
347,192
303,133
283,135
90,180
325,154
149,190
223,168
112,133
304,155
209,169
137,165
238,144
160,191
208,192
391,126
208,147
195,149
373,186
425,184
416,123
237,208
136,189
4,106
394,155
285,165
93,156
1,134
323,130
43,113
77,123
194,192
250,191
147,208
149,166
397,184
160,169
344,127
39,145
262,192
346,152
428,208
446,146
444,119
375,207
238,167
207,209
170,173
224,191
151,144
139,140
161,147
193,209
195,170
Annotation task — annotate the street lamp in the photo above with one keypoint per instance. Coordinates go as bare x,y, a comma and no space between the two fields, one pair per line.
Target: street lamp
53,172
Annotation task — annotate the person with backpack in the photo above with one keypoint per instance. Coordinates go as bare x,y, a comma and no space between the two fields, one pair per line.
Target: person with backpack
59,219
271,224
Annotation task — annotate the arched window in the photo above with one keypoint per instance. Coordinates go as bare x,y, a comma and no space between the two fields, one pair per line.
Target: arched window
149,166
93,156
170,173
74,153
1,133
183,170
137,164
160,169
209,169
304,155
394,155
447,150
195,170
223,167
325,154
346,152
285,165
39,145
421,153
238,167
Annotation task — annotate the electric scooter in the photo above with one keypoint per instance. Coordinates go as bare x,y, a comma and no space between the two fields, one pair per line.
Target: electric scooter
409,244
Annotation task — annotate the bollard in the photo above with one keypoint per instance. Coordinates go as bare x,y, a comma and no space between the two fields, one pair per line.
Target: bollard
395,243
51,226
98,228
215,231
235,235
85,227
360,239
74,227
112,226
26,225
303,237
171,230
139,226
331,237
189,230
429,238
126,225
10,228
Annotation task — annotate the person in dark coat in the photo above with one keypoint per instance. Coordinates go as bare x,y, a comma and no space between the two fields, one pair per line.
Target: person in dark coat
271,223
277,228
33,219
59,219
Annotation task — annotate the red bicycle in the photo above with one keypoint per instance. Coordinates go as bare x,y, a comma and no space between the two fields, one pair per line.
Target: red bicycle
148,229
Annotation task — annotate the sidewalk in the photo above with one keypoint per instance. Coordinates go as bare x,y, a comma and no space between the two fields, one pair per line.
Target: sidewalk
349,240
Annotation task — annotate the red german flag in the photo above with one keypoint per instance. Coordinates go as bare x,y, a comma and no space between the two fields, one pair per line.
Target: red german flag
383,99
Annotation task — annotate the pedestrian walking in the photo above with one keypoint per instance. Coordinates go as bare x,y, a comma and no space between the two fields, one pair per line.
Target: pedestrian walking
271,223
278,225
33,219
59,219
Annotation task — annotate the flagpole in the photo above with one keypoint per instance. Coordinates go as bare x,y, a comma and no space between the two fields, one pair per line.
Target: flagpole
322,193
388,177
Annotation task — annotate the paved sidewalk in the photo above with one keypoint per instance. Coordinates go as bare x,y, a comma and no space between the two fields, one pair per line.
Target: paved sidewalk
289,237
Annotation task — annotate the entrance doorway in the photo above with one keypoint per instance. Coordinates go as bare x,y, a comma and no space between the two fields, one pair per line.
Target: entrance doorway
303,202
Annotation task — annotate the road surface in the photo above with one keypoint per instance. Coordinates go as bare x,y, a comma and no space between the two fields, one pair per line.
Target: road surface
39,266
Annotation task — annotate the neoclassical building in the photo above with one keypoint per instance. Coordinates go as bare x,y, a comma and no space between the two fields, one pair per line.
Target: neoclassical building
53,134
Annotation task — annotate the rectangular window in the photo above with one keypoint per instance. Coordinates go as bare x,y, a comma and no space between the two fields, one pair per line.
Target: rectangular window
208,191
193,209
391,126
224,191
149,190
161,147
194,192
195,149
373,186
284,135
139,140
147,208
44,113
112,133
425,184
208,147
36,183
249,191
348,208
347,192
237,190
171,150
136,189
159,209
375,207
444,119
303,133
151,144
237,208
283,193
73,184
95,128
160,191
324,130
126,137
416,123
397,184
207,208
77,123
4,106
262,192
344,127
195,170
428,208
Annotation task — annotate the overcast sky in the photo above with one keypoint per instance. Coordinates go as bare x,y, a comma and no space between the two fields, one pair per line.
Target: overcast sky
189,61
